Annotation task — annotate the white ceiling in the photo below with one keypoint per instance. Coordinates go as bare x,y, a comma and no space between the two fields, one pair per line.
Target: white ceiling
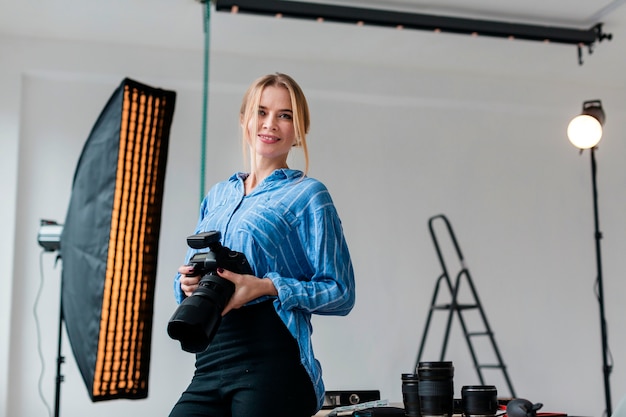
179,24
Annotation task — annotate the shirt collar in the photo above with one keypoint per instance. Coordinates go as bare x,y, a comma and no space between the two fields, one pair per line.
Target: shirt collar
279,174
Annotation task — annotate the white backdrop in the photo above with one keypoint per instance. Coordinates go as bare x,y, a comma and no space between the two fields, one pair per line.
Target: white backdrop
395,146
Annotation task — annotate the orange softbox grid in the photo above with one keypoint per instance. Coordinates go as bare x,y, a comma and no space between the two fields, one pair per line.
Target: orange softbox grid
109,243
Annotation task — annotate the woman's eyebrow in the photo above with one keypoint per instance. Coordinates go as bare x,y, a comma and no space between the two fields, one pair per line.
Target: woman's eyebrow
281,110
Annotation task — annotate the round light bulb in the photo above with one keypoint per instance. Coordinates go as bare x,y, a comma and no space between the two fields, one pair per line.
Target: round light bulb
584,131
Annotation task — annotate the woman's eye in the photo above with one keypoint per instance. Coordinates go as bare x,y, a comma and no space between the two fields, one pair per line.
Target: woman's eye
285,116
261,112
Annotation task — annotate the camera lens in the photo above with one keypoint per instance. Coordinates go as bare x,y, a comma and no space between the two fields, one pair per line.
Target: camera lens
436,388
198,317
479,400
410,395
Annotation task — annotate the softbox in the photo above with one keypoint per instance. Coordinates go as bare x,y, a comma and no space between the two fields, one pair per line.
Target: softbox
110,241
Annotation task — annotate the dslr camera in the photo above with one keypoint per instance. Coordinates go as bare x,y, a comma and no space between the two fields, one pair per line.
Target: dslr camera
197,318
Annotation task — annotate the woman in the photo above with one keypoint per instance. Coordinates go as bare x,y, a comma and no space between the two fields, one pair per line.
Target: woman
261,361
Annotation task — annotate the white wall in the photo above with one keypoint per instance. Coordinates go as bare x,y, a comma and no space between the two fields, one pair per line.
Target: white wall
9,117
395,146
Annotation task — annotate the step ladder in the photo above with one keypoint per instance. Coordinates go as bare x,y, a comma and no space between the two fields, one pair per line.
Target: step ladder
458,308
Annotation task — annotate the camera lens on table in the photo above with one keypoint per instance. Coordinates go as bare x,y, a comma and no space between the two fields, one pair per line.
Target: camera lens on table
436,388
479,400
410,395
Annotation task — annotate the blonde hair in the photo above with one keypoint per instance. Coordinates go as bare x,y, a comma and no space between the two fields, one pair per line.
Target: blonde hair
300,108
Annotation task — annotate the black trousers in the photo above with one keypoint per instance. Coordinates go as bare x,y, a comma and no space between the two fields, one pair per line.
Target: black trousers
251,369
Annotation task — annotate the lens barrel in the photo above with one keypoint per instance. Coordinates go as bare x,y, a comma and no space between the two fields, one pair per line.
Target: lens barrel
196,320
410,395
436,389
479,400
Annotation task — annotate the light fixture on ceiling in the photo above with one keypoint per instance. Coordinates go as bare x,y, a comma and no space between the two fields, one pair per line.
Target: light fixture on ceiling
585,132
395,19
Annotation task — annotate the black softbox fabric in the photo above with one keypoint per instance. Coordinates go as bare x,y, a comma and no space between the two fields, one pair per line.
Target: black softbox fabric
109,243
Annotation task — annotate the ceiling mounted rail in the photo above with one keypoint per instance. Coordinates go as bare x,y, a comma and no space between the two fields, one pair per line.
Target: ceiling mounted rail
404,20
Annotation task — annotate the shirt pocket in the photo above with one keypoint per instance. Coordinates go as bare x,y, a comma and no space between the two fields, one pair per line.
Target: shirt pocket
272,233
214,217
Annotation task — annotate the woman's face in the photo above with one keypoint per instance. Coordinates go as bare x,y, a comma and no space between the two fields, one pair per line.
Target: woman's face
275,129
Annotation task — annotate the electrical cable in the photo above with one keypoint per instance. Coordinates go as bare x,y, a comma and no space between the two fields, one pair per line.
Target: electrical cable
38,330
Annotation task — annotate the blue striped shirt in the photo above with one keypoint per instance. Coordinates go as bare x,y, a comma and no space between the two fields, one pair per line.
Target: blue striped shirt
289,230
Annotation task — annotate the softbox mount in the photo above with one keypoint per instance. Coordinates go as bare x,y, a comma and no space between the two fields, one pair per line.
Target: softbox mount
109,242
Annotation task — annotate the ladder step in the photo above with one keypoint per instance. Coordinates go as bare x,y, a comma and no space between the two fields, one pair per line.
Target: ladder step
458,306
495,366
479,333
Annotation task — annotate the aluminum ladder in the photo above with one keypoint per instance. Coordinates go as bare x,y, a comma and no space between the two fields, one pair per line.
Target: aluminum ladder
454,306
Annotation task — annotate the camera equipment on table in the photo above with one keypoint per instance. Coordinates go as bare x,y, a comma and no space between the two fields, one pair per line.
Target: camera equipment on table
436,388
197,318
479,400
333,399
430,393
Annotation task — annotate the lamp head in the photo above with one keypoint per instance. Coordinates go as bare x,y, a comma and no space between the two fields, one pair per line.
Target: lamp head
585,130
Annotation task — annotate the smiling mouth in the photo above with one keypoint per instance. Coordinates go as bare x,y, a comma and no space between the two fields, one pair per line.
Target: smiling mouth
266,138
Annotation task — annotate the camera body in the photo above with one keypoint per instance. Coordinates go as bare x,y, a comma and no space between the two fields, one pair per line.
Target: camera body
197,318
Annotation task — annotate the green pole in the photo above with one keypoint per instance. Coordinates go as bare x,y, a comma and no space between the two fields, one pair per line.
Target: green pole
205,97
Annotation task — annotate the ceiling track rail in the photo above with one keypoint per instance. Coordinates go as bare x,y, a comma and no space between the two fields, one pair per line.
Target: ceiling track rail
581,38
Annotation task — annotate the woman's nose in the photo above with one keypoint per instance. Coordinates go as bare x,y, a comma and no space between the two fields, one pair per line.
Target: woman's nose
268,123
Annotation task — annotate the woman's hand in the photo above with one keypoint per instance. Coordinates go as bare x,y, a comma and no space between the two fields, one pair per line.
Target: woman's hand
188,281
247,288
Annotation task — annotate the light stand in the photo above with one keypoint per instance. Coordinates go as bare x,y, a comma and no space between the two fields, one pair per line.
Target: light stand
49,238
585,132
60,361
